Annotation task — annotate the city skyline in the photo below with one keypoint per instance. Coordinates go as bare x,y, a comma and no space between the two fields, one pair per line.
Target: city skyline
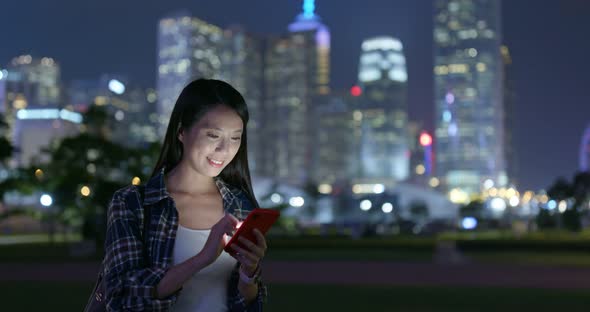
534,45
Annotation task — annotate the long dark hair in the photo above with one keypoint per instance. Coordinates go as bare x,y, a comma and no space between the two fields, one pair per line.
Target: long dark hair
195,100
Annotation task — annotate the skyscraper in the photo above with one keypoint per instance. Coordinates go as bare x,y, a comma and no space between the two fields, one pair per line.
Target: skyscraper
3,77
190,48
242,66
297,71
29,83
33,82
187,48
584,157
333,152
382,115
509,102
468,95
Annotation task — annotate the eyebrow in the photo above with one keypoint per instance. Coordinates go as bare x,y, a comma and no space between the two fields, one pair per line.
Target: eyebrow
219,129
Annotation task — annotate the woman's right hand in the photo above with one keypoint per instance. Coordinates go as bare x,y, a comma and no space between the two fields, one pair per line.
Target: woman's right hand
216,240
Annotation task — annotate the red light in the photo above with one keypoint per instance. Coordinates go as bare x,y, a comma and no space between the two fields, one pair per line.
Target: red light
425,139
356,91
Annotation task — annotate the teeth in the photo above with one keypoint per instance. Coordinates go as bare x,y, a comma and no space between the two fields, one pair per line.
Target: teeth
216,162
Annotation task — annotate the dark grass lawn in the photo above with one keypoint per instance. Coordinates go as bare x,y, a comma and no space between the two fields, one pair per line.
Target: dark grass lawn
60,296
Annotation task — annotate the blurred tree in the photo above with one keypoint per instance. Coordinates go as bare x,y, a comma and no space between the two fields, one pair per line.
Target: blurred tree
6,148
561,189
84,171
546,220
581,189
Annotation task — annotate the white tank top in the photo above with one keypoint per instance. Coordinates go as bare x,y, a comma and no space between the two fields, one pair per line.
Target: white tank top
206,290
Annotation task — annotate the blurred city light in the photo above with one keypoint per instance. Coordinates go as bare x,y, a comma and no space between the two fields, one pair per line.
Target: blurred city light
356,91
420,169
551,204
325,189
91,168
387,207
488,184
370,188
85,191
562,206
46,200
39,174
136,181
378,188
425,139
296,201
434,182
514,201
493,192
469,223
366,205
116,86
498,204
119,115
458,196
49,113
276,198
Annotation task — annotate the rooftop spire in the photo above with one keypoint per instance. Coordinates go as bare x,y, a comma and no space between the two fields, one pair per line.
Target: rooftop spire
308,8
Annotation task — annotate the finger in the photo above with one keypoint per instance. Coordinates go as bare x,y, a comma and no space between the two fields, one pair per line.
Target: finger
247,255
260,239
248,264
225,229
259,251
231,219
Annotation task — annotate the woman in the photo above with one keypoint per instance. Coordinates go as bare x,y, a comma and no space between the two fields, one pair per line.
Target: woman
198,192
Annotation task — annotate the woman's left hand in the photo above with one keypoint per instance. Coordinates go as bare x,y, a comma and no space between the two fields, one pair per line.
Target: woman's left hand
250,256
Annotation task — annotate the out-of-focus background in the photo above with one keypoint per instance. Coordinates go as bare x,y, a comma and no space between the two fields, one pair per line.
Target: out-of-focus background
425,155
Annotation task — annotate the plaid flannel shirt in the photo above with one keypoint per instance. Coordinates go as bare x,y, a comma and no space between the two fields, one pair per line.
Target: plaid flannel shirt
130,279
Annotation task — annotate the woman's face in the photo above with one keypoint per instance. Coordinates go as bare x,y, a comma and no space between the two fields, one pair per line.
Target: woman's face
211,143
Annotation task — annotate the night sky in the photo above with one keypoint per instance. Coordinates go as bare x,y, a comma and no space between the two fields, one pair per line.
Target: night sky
548,40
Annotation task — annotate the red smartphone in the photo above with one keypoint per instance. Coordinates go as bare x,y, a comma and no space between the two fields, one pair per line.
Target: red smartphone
259,218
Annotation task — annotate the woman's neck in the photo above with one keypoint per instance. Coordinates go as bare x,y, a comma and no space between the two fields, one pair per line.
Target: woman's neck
183,179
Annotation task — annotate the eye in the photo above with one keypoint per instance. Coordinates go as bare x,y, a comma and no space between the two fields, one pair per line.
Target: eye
237,139
213,136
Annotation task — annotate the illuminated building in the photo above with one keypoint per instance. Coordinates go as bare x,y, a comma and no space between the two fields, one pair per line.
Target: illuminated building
297,70
468,82
190,48
29,82
382,113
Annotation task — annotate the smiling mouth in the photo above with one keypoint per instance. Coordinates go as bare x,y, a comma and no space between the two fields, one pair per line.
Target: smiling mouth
215,163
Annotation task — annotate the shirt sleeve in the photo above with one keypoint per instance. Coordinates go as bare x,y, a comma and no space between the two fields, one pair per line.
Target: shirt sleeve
237,303
130,284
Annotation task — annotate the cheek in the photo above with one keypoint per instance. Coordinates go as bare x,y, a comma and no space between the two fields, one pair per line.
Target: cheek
201,147
234,150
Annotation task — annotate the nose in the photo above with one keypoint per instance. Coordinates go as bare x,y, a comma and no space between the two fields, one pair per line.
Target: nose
223,146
